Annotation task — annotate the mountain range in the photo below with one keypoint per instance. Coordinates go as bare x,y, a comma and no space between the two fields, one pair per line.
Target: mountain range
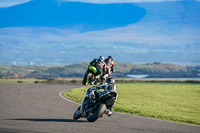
58,32
122,70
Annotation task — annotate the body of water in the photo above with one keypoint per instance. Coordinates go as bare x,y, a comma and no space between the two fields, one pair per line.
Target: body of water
144,77
137,76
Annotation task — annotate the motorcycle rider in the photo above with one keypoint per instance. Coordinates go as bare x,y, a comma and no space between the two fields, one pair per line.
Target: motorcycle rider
109,67
99,64
110,62
109,85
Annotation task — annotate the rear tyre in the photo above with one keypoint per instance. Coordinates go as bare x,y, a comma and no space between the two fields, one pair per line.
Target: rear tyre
97,113
77,115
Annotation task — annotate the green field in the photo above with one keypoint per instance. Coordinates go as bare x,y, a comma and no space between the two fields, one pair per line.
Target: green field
21,80
179,102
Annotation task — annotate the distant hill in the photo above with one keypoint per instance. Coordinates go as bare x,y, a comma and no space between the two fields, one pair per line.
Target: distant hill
65,53
78,15
152,70
59,32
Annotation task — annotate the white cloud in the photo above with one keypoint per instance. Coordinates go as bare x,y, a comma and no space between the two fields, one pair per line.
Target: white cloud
135,33
34,34
142,33
9,3
117,1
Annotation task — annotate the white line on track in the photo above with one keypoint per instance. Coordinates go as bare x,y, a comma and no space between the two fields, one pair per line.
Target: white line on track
61,95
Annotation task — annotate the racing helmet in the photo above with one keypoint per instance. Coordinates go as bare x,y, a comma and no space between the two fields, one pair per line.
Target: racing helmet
110,80
110,57
101,58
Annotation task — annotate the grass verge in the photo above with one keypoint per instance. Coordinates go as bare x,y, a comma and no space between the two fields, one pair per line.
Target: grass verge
179,102
30,81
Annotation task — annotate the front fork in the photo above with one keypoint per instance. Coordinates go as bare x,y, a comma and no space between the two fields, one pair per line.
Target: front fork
81,109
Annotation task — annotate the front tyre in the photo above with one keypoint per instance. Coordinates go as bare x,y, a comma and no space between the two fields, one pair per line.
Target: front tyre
97,113
87,78
77,115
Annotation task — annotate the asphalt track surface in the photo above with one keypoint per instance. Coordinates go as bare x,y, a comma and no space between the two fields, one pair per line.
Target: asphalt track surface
38,108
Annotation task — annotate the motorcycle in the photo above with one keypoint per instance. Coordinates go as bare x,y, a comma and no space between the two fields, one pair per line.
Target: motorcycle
95,103
91,76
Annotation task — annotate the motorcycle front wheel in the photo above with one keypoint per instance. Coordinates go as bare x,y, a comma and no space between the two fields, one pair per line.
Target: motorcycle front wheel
77,115
97,113
87,79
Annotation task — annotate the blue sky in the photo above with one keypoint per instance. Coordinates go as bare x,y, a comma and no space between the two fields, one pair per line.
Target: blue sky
8,3
173,25
164,22
91,17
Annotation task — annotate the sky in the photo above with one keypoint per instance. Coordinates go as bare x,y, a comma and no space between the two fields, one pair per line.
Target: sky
152,22
9,3
92,25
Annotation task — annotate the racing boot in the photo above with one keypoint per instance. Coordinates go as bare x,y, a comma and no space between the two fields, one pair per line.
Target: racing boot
108,112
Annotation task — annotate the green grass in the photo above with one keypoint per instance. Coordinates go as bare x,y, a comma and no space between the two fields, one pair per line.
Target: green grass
179,102
20,80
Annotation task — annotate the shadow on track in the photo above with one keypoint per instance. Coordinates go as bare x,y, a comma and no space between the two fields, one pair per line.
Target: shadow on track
48,120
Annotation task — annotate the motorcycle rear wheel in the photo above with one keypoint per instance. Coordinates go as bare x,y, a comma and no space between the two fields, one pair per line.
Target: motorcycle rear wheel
97,113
